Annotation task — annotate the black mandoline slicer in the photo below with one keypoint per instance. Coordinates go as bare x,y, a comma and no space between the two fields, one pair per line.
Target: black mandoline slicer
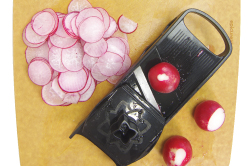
127,123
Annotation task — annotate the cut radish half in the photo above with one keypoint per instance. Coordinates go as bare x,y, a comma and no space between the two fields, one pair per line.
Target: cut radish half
126,25
86,13
62,42
72,97
85,96
72,57
50,96
73,81
89,82
43,23
40,71
97,75
89,61
106,17
125,65
96,49
114,79
209,115
112,28
55,59
33,37
78,5
117,46
91,29
55,86
41,51
67,23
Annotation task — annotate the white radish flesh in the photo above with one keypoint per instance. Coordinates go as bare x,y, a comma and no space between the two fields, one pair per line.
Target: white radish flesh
89,61
72,97
41,51
55,86
126,25
117,46
67,23
53,13
86,13
85,96
112,28
114,79
78,5
106,17
60,30
62,42
96,49
55,59
89,82
33,37
97,75
125,65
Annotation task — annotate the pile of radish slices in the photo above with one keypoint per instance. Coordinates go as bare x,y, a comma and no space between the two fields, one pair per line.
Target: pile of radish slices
69,54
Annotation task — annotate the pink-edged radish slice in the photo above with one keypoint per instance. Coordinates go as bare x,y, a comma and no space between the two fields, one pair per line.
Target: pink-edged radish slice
89,82
53,13
32,37
27,43
50,44
62,42
66,104
177,151
109,69
72,57
110,57
86,13
125,65
112,28
91,29
116,45
73,26
50,97
43,23
78,5
126,25
114,79
85,96
55,86
72,97
41,51
126,44
96,49
39,71
67,23
89,61
60,30
106,17
120,35
73,81
209,115
55,59
97,75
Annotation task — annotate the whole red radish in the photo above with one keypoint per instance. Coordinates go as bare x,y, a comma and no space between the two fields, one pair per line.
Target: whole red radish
177,151
164,77
209,115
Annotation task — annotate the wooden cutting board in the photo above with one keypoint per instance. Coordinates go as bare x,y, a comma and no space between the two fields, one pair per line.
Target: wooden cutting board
43,130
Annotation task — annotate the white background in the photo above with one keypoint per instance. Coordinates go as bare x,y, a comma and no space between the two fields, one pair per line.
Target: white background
9,154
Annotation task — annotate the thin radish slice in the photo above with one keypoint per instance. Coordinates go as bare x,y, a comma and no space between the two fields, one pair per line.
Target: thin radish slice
110,57
89,61
67,23
72,97
78,5
27,43
40,72
50,44
96,49
66,104
55,59
126,25
53,13
62,42
72,57
114,79
126,44
91,29
86,13
73,26
73,81
85,96
55,74
125,65
120,35
43,23
55,86
89,82
60,30
60,14
112,28
32,37
50,96
117,46
109,69
106,17
97,75
42,51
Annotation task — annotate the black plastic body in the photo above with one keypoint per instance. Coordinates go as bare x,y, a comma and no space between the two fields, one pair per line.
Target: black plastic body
126,126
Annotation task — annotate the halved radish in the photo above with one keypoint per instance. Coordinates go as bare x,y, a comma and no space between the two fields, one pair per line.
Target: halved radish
86,13
40,71
209,115
55,86
177,151
85,96
43,23
116,45
106,17
72,97
73,81
126,25
97,75
62,42
91,29
89,61
96,49
125,65
55,59
112,28
41,51
67,23
50,97
78,5
72,57
33,37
